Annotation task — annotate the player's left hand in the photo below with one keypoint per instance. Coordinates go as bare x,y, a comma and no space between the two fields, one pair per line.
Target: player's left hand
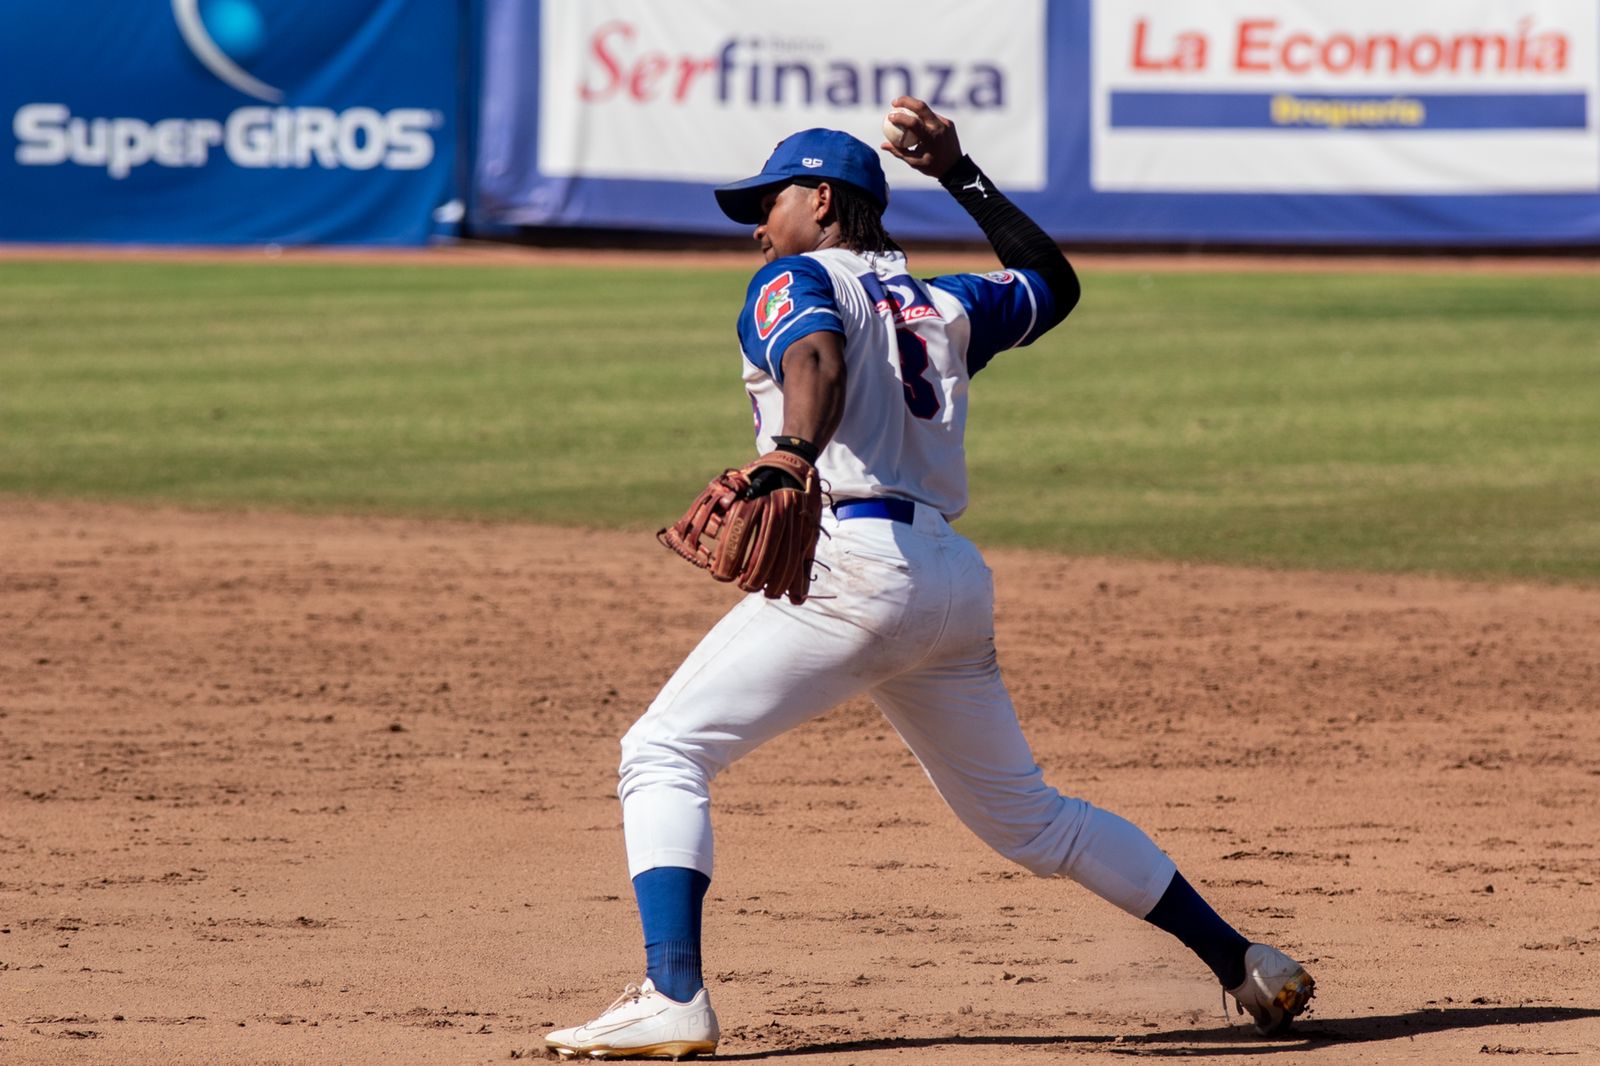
935,148
756,526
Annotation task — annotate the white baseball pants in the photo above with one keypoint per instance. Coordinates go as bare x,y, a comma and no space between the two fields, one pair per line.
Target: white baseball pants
905,613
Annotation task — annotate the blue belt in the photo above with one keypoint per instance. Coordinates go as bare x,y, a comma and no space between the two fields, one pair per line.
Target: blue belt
895,510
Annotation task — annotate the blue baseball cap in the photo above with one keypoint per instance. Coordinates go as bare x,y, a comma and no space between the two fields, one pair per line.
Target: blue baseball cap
828,154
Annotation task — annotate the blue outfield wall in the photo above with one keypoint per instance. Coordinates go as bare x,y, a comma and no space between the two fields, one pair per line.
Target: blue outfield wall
1295,122
228,121
1258,122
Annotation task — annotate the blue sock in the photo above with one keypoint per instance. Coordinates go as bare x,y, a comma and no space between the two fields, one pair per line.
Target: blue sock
1186,916
670,898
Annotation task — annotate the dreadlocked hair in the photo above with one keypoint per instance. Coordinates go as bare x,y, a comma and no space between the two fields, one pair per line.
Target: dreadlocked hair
860,220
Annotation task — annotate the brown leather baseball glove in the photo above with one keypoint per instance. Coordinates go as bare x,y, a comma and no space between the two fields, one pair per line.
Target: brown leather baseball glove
756,526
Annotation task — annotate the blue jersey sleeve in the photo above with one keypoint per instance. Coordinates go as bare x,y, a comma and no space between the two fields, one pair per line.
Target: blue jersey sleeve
788,299
1007,308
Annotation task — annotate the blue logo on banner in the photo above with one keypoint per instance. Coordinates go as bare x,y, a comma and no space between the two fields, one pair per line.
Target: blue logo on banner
221,33
228,120
1365,112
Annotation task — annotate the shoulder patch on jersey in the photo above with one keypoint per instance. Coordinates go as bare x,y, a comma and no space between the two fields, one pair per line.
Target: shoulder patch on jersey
1004,277
772,303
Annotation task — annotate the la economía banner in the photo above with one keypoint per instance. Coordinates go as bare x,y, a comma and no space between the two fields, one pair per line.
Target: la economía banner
227,121
1365,96
1441,122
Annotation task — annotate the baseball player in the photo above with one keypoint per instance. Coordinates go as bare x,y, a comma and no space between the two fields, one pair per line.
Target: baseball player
860,369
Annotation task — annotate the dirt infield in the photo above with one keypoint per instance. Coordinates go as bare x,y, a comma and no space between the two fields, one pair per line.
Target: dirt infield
282,789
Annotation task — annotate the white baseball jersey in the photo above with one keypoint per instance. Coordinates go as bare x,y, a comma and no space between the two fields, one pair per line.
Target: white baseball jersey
910,348
901,608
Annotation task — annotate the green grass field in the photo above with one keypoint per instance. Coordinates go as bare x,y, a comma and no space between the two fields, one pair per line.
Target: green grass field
1391,422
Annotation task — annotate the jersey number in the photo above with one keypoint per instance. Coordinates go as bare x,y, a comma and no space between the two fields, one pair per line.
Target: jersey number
891,296
920,397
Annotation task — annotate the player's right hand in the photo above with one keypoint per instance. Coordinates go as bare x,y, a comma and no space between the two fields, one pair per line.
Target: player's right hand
937,148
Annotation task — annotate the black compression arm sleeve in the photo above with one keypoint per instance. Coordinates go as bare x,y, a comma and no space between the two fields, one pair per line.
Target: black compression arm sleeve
1017,239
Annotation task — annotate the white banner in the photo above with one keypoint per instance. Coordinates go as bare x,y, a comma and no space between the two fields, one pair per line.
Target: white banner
702,92
1345,96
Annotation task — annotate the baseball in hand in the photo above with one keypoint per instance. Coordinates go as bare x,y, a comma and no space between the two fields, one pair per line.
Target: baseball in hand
903,139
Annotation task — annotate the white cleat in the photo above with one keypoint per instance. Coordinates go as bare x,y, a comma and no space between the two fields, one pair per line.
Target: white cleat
1275,989
642,1023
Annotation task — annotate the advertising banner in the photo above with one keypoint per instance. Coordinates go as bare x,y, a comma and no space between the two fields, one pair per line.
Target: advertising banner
626,86
1370,96
227,121
642,104
1438,122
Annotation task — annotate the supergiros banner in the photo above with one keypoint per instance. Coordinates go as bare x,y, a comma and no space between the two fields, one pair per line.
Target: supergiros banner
1439,122
227,121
